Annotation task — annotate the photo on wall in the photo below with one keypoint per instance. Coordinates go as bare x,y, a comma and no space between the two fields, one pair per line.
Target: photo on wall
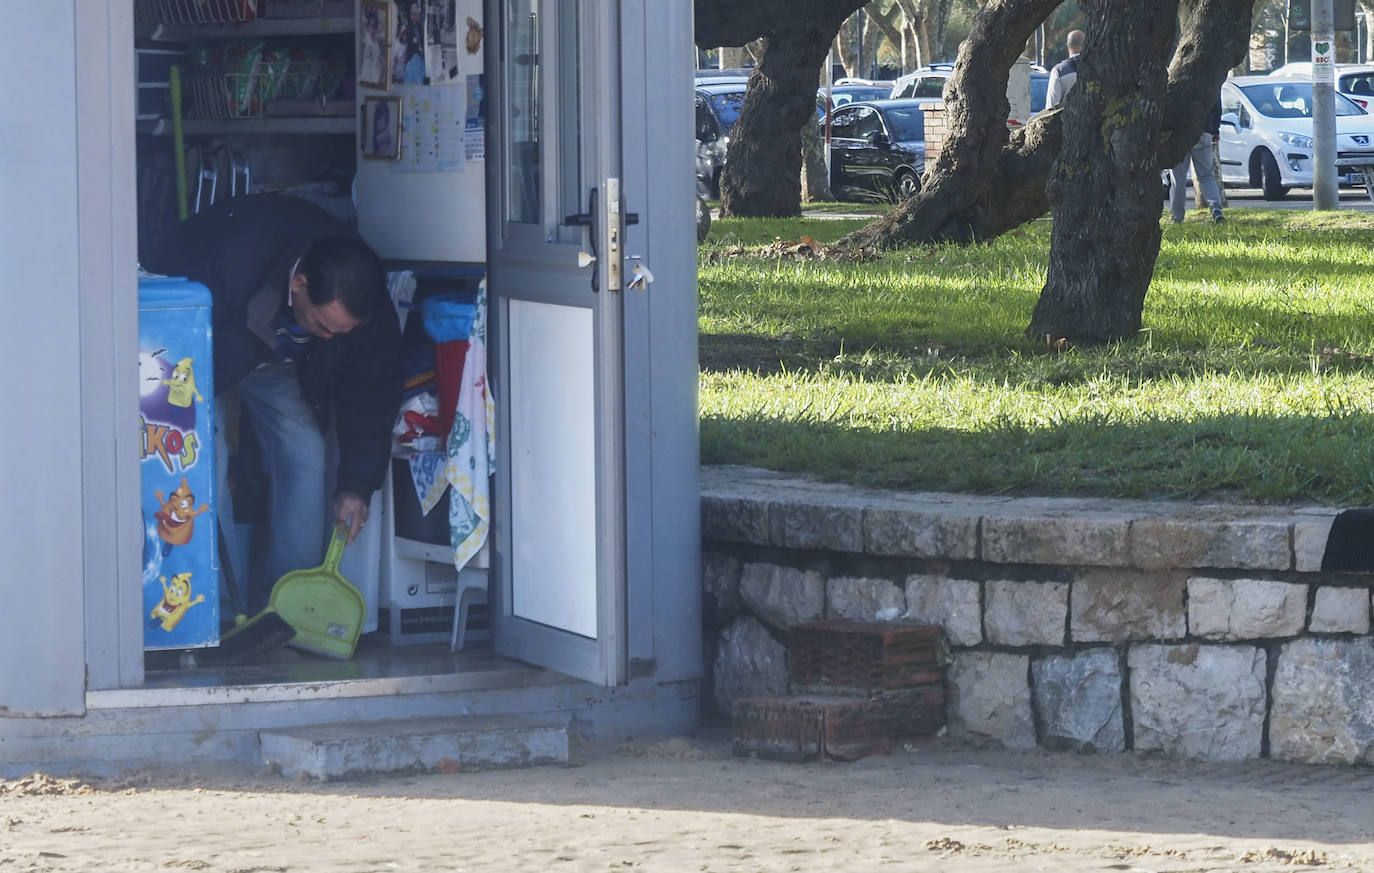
441,41
374,44
408,43
381,135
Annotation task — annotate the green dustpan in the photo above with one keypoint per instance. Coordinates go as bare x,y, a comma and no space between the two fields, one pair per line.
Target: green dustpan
326,611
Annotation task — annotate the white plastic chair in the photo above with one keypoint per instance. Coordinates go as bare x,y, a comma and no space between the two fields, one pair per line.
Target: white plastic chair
470,587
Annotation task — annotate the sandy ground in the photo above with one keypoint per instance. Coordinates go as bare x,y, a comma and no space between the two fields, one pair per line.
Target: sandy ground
685,805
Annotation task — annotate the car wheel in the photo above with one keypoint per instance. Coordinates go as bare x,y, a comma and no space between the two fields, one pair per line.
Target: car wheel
907,184
1270,180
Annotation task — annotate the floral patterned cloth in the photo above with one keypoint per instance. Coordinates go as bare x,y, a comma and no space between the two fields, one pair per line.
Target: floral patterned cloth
472,446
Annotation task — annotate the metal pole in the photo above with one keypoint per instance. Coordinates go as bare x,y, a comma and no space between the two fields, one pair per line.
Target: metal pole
1324,185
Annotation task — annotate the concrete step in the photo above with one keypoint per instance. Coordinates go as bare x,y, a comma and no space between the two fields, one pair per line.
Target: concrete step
450,744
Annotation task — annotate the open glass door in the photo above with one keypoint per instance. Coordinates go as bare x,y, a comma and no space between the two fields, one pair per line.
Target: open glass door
555,226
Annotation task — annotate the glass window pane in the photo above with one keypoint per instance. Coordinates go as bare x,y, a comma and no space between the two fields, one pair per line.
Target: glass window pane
572,189
522,50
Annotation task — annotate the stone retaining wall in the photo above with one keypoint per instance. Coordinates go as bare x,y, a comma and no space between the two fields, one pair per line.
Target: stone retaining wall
1196,631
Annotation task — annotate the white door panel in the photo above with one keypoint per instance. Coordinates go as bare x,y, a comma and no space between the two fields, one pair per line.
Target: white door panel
553,484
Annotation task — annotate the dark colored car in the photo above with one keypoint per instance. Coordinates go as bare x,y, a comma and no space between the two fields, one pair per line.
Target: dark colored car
877,149
853,93
717,109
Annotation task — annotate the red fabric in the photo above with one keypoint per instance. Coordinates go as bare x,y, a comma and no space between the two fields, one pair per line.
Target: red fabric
448,362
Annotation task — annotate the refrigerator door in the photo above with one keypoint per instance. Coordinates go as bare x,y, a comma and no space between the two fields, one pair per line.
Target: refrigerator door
176,424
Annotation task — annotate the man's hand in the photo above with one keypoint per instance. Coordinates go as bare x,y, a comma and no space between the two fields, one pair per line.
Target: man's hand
350,514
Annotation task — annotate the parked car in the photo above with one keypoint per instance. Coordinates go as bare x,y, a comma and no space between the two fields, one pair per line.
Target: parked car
1266,135
850,92
717,109
1355,81
707,75
930,82
877,149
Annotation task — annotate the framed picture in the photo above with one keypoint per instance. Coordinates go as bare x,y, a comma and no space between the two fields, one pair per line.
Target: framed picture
374,44
382,128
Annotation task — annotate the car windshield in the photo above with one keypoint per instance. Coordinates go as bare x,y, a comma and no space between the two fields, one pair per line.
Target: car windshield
727,108
907,124
1292,100
849,95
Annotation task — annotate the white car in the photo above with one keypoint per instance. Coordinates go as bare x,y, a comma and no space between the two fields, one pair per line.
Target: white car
1355,81
1266,135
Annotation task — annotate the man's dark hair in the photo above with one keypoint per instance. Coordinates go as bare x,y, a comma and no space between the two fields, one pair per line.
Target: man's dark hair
345,269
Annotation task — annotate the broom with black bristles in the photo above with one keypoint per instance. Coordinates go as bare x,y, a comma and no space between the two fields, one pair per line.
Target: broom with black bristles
249,637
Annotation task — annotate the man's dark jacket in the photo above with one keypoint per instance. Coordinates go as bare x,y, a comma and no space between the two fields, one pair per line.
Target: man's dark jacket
243,250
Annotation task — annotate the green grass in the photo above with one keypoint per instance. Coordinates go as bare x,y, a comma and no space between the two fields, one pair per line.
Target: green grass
1251,380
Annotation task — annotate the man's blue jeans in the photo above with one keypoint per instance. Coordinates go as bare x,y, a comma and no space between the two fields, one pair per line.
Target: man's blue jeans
293,459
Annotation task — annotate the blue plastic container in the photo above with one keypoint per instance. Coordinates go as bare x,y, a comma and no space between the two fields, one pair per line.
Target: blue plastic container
176,427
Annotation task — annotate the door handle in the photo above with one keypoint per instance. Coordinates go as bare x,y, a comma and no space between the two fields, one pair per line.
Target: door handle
587,219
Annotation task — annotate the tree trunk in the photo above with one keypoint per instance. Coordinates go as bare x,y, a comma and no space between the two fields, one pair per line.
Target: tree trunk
955,203
763,163
815,181
1105,188
966,198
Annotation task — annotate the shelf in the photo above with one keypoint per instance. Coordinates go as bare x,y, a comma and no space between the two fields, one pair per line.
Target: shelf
323,124
258,28
435,553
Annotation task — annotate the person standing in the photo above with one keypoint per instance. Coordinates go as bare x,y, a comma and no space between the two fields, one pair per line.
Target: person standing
1065,73
1205,188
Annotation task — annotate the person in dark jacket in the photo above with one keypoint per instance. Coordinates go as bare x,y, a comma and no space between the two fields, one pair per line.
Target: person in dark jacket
304,329
1202,156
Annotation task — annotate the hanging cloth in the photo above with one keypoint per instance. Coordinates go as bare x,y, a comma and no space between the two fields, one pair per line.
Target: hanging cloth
472,446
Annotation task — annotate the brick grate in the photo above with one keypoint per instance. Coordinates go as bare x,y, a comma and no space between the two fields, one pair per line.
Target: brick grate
864,657
804,728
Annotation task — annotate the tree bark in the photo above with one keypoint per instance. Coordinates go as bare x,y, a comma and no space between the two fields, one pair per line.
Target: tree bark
762,175
954,202
1105,188
815,180
967,198
1135,118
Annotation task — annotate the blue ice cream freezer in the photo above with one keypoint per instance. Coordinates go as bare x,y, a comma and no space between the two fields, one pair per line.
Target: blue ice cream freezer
176,428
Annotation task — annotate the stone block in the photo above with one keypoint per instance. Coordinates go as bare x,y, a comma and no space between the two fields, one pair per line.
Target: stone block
782,596
1340,610
1126,605
1309,543
865,599
1246,544
734,519
909,531
1323,709
1245,609
1074,541
816,524
748,663
719,587
1078,700
989,698
1026,613
1194,701
953,604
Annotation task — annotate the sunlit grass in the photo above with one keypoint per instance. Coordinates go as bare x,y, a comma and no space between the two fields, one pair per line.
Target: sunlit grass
1251,379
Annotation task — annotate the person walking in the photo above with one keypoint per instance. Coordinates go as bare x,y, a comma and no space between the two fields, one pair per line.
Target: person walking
1205,189
1065,73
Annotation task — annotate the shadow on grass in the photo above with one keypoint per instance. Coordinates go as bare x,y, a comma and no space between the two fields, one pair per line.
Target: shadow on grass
1302,459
